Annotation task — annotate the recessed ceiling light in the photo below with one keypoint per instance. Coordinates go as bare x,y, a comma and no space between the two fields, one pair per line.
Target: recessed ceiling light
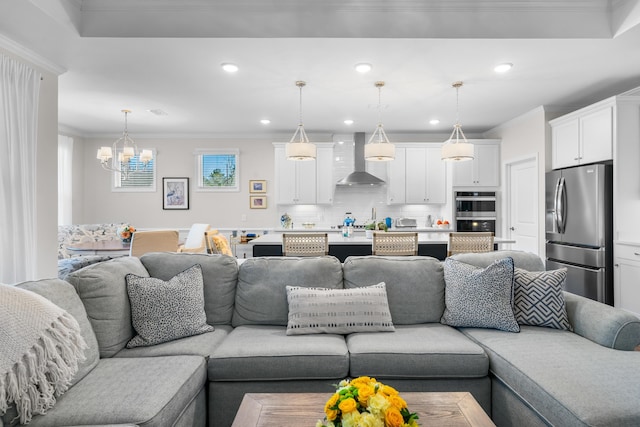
503,68
363,67
434,121
348,122
340,142
265,121
229,67
158,112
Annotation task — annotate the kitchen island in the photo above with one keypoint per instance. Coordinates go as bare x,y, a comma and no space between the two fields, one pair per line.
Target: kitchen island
429,244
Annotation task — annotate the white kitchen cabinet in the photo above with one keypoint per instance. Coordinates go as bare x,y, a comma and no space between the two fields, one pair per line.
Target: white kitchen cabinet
417,175
483,170
584,136
396,178
425,175
304,182
627,277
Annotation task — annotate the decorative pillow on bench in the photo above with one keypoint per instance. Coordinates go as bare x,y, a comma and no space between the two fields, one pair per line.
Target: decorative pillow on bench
338,311
479,297
165,311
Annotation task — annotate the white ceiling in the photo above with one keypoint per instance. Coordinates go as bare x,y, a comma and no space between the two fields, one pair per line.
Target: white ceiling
166,54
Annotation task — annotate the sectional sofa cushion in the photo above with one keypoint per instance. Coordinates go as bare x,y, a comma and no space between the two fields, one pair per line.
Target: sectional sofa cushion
427,350
262,352
261,296
163,311
338,311
219,272
415,285
521,259
477,297
538,298
569,380
144,391
198,345
103,290
64,296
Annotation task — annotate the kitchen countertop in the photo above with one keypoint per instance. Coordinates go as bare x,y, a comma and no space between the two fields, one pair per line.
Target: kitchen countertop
335,238
358,230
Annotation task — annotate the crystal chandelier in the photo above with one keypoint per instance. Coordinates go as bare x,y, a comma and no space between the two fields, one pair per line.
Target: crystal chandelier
301,149
459,149
129,159
379,149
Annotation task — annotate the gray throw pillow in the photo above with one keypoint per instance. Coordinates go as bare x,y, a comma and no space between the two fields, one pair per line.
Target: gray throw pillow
338,311
479,298
539,300
165,311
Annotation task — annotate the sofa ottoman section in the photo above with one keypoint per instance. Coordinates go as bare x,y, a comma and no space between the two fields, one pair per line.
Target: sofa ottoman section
266,353
573,382
146,391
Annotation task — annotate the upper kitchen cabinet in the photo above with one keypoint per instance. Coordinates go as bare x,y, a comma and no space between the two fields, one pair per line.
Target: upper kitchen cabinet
417,175
483,170
304,182
584,136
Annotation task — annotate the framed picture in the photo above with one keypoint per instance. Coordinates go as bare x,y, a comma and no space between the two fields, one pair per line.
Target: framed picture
175,193
257,186
258,202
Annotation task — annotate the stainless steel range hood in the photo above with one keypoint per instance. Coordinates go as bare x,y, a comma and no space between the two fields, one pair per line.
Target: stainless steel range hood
360,176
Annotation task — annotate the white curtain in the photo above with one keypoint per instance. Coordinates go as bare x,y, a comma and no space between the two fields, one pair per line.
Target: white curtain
19,93
65,190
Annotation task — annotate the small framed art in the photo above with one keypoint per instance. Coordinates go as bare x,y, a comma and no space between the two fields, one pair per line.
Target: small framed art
257,186
258,202
175,193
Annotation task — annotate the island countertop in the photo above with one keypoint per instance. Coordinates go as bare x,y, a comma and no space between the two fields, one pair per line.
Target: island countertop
359,238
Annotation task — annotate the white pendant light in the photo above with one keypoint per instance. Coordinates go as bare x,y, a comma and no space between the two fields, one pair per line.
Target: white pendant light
124,154
379,149
301,149
457,150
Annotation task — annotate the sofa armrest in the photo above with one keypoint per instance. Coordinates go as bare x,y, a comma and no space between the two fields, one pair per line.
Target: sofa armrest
608,326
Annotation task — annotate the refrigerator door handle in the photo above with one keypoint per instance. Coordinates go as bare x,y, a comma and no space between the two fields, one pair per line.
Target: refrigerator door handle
562,197
556,225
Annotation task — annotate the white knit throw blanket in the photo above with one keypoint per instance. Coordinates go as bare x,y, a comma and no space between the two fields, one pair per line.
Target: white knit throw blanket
40,347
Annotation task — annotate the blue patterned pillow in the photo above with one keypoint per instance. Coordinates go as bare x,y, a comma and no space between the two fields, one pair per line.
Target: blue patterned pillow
539,300
479,298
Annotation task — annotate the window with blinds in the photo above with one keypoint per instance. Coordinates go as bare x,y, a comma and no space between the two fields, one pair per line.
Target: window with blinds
218,170
141,177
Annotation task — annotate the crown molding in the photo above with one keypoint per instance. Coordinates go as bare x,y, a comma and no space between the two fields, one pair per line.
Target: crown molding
28,55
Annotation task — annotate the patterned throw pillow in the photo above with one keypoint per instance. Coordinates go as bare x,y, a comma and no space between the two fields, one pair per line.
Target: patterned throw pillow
539,300
338,311
479,298
165,311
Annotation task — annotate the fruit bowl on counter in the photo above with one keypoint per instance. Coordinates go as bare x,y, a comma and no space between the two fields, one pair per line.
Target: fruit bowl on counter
442,224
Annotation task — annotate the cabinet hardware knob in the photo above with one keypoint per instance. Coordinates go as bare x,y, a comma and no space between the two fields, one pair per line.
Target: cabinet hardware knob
636,254
512,229
616,265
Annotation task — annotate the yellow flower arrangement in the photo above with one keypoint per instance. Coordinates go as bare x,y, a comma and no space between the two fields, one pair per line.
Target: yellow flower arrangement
126,231
364,402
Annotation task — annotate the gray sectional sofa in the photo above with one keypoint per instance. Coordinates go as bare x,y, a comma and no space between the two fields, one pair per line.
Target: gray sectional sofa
539,376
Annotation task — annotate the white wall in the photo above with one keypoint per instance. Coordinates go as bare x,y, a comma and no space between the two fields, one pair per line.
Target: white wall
522,138
175,158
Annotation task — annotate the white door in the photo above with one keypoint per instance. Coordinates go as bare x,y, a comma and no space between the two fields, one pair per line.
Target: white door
522,205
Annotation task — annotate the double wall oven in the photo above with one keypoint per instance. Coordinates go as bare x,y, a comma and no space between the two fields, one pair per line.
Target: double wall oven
476,211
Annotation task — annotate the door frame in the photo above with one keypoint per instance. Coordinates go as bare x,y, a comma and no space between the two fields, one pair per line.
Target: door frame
507,200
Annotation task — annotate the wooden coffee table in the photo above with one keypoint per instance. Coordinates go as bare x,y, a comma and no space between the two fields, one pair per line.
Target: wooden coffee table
304,409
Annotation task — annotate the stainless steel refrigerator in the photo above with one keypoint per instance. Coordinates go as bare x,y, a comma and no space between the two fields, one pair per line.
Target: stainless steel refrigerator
579,228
